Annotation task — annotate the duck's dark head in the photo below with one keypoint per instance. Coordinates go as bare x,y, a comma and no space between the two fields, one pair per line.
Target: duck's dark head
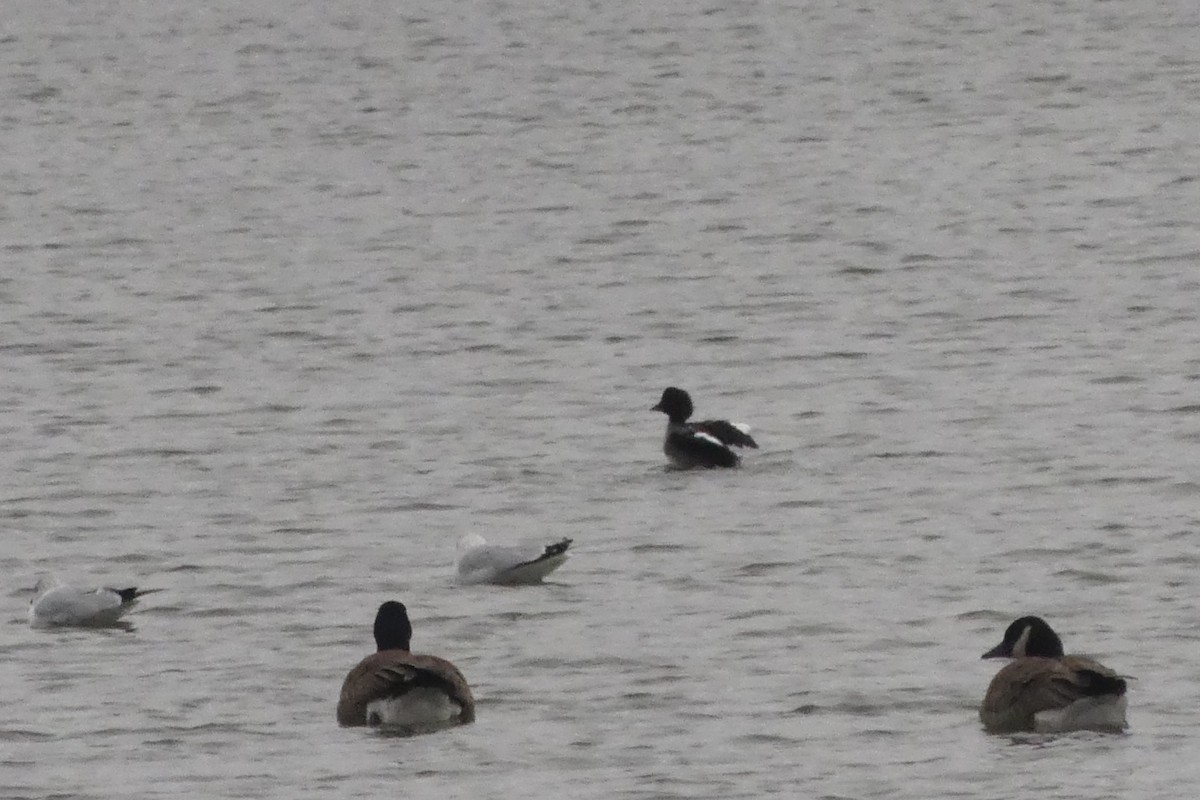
392,628
675,403
1028,636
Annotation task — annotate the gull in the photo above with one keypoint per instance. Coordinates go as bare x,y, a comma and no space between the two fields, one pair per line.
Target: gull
57,605
480,562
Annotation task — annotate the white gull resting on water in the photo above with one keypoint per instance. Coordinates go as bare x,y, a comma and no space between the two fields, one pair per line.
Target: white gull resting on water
56,605
480,562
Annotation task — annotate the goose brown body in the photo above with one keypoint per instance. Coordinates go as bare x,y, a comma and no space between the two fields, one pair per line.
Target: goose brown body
392,673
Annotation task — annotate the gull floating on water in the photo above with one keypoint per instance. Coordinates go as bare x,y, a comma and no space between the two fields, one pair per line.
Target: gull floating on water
480,562
56,605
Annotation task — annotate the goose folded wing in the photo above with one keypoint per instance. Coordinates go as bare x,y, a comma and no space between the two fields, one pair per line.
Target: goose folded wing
1093,677
1085,663
1056,685
433,672
392,673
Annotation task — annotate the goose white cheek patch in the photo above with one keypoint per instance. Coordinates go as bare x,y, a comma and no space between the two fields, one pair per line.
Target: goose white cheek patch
1018,650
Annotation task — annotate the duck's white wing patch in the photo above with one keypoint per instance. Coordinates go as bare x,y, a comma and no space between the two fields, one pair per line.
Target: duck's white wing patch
67,605
707,437
728,433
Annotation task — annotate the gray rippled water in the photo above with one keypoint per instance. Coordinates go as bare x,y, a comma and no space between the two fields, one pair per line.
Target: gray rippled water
297,294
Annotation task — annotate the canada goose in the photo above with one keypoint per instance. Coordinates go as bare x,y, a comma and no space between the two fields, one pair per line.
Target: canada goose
699,444
55,605
396,688
480,562
1045,691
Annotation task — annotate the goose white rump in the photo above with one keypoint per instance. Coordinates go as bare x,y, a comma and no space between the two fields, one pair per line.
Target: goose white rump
56,605
480,562
1086,714
423,707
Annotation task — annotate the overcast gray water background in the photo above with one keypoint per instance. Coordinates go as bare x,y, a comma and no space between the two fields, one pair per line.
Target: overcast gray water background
296,294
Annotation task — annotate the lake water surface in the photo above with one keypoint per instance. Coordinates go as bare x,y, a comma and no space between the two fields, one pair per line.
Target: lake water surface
296,294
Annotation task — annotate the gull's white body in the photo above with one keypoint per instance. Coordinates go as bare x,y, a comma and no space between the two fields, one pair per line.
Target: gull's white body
56,605
480,562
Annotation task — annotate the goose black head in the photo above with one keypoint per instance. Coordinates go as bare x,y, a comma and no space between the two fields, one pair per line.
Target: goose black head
1028,636
392,628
